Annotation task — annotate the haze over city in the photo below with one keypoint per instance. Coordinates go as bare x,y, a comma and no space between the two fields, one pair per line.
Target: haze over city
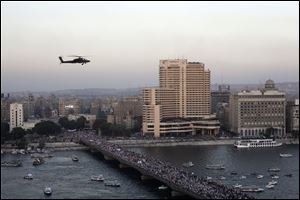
240,42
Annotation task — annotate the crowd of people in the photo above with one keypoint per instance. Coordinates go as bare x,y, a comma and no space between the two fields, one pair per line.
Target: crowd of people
177,177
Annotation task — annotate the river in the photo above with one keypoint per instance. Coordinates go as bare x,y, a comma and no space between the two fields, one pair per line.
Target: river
70,179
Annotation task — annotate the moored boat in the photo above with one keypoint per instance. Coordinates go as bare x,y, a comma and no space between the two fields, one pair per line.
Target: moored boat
112,184
188,164
259,176
237,185
285,155
216,166
251,189
256,143
272,182
233,173
270,186
162,187
28,176
38,161
13,163
75,158
274,169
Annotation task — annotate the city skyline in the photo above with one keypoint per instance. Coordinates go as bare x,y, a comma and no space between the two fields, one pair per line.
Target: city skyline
238,42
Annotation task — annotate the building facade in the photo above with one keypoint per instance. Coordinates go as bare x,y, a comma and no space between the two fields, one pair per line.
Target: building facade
292,118
252,113
181,105
16,116
69,106
218,98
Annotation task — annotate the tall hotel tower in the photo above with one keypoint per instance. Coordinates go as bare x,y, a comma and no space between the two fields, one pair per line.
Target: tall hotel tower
181,105
16,115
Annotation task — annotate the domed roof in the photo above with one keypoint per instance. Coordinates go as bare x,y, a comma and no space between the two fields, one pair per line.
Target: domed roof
269,84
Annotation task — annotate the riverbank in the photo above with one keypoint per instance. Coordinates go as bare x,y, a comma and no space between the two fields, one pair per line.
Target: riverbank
55,146
176,142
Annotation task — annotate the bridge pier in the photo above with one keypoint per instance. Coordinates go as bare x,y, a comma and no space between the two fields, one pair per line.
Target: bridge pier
123,166
145,177
108,157
177,194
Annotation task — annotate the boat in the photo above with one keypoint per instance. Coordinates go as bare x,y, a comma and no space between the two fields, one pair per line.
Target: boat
269,186
75,158
38,161
47,191
222,178
38,155
275,177
285,155
256,143
273,169
259,176
28,176
243,177
251,189
237,185
162,187
272,182
13,163
216,166
233,173
289,175
112,184
208,178
188,164
97,178
14,152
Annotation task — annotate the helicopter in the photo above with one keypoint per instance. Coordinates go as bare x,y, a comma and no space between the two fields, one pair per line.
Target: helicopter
79,59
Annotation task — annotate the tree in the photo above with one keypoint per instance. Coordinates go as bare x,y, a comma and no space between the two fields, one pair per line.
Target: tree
81,122
18,133
63,121
47,128
21,143
4,132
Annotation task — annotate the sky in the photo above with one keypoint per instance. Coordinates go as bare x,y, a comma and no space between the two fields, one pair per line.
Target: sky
239,42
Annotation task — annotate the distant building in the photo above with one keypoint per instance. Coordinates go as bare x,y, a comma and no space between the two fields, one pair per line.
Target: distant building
90,119
110,118
292,118
181,105
219,97
252,113
16,115
30,124
69,106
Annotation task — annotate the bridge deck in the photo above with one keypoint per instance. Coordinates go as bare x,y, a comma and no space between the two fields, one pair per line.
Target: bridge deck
177,179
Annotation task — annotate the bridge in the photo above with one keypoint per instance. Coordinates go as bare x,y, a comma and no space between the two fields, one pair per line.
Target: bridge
179,180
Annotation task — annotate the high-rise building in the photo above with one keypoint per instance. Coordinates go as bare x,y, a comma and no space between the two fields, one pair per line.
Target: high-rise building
218,98
16,115
69,106
252,113
181,105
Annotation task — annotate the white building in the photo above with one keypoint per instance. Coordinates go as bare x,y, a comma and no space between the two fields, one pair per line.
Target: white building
16,115
252,113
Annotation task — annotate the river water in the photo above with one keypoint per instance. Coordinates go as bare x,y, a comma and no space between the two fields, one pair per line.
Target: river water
70,179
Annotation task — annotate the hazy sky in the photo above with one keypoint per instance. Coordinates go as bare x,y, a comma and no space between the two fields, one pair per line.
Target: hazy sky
240,42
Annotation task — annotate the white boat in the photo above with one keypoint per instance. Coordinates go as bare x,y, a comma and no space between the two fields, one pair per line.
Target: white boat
237,185
274,169
188,164
97,178
208,178
259,176
243,177
47,191
256,143
275,177
113,184
216,166
272,182
285,155
28,176
222,178
269,186
251,189
162,187
75,158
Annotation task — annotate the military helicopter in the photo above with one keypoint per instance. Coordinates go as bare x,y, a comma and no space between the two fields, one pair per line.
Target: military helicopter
79,59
